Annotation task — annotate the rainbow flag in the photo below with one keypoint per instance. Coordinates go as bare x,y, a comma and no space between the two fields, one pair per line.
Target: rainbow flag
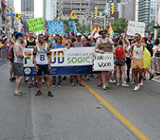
110,31
1,45
95,30
127,26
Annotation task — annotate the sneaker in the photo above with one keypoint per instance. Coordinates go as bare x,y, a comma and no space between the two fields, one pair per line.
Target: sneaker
113,81
128,80
54,84
151,77
50,94
110,81
38,93
118,84
132,82
104,87
64,78
30,85
136,88
59,84
125,85
107,85
141,84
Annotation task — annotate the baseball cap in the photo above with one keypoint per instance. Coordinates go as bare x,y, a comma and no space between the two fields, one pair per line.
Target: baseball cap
78,34
18,35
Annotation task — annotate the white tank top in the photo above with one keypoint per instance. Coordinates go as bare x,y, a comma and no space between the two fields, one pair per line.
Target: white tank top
41,57
138,52
18,59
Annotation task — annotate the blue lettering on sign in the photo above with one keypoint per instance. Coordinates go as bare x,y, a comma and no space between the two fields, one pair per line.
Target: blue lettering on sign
56,27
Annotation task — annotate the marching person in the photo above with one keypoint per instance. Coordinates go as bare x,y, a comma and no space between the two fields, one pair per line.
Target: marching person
78,44
31,42
18,62
104,44
137,63
42,63
57,45
120,64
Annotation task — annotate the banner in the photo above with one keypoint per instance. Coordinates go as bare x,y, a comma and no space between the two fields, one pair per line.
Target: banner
73,61
103,62
136,27
72,27
56,27
36,24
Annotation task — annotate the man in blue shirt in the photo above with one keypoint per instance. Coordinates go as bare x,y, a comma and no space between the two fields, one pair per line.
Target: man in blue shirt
57,45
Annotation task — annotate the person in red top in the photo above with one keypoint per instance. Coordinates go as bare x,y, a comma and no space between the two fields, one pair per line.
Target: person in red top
120,63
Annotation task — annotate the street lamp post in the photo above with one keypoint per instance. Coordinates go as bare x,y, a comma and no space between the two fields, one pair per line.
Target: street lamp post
156,19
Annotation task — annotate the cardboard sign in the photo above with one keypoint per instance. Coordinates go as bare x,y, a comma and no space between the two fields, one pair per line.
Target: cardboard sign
136,27
36,24
103,62
72,27
56,27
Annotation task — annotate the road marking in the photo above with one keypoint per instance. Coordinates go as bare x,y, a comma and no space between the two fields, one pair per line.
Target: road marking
156,80
137,132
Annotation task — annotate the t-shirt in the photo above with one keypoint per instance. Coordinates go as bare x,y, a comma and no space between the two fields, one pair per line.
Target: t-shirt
120,52
56,46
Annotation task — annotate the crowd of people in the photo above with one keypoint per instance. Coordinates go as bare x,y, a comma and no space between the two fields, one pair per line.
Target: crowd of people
129,52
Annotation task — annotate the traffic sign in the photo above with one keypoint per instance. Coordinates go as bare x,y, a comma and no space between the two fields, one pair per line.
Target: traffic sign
10,15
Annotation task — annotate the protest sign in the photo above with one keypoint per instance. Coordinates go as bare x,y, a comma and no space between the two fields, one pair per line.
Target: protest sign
36,24
72,27
135,27
73,61
56,27
103,62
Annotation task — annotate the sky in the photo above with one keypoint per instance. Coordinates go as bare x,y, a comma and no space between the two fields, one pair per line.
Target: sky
38,10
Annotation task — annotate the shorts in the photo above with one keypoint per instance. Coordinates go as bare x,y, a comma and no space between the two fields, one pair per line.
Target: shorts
42,69
128,60
137,64
120,62
18,69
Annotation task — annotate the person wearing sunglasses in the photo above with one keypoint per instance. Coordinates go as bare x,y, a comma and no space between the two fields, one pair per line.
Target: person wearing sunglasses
104,44
137,63
57,45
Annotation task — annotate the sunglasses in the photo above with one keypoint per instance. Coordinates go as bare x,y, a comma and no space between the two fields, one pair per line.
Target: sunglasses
59,39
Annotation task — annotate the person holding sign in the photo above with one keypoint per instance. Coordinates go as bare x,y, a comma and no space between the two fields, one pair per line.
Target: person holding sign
31,42
57,45
104,44
137,63
42,63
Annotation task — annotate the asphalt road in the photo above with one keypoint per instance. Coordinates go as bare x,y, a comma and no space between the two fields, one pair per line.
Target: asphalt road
76,114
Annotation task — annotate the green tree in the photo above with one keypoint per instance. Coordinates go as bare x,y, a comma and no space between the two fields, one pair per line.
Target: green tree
119,25
150,27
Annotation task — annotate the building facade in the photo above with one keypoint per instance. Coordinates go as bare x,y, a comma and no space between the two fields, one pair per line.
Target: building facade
127,9
27,8
147,10
81,7
49,9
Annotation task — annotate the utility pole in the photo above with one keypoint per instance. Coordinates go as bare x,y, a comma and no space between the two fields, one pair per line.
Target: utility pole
156,19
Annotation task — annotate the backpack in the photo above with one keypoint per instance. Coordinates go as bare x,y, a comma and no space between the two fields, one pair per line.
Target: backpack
149,47
11,54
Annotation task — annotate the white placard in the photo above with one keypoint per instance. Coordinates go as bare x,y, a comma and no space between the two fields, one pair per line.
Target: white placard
136,27
103,62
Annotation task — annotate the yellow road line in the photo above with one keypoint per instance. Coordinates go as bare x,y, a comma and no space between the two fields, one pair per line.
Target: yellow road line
137,132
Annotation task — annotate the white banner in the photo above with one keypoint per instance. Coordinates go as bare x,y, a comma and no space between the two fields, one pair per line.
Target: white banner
136,27
103,62
64,57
